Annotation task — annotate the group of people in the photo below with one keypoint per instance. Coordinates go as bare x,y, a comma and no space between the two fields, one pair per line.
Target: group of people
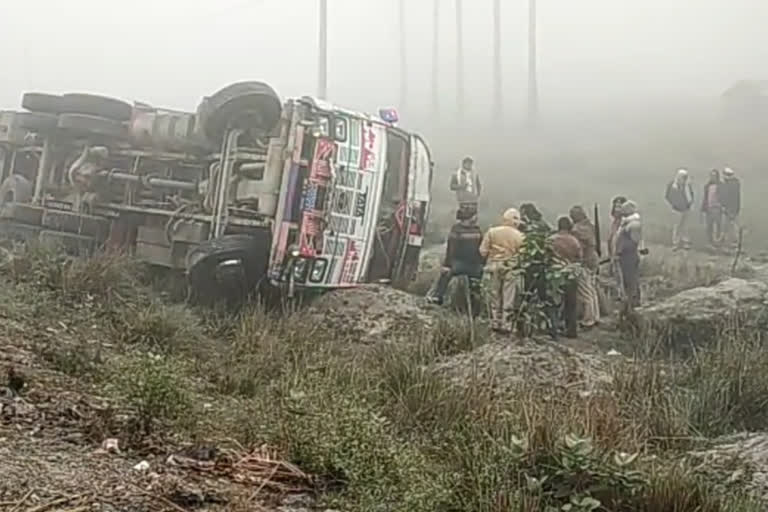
720,207
472,253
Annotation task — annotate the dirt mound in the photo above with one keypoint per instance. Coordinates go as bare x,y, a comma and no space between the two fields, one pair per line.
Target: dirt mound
537,362
736,460
372,313
693,316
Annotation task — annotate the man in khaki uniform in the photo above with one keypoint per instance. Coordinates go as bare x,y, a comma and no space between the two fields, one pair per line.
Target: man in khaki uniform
500,245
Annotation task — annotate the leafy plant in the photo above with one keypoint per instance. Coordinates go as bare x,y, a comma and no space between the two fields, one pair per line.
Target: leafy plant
150,385
544,277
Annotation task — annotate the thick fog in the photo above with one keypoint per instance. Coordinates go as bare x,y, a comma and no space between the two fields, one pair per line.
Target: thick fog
170,52
630,90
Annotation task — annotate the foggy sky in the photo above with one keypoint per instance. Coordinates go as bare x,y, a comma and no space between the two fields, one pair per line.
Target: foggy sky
172,52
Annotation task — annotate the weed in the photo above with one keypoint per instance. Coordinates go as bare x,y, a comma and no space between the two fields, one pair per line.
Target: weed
151,386
157,327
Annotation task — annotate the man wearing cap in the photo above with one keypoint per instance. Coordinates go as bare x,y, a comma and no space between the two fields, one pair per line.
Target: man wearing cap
499,247
680,197
730,198
465,182
628,243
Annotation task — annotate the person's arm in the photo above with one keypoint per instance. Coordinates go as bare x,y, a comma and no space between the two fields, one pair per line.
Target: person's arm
738,198
704,199
485,245
450,248
478,184
693,195
668,194
454,182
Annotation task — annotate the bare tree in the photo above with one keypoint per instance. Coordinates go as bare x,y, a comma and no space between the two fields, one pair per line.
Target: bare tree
403,56
533,87
322,59
435,56
459,60
498,99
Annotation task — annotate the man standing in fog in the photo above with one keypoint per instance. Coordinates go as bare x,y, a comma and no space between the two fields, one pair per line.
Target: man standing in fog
628,242
679,195
465,182
730,197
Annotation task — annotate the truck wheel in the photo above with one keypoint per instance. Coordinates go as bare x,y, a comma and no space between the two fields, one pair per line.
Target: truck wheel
98,106
84,125
229,268
244,105
15,189
36,122
41,102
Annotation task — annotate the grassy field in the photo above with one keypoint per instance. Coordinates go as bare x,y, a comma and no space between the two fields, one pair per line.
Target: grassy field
377,428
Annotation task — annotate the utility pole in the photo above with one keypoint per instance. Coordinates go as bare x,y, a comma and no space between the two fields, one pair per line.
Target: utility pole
322,63
459,61
498,100
435,56
403,56
533,87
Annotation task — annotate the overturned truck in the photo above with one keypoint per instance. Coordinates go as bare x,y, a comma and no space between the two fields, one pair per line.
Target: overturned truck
247,190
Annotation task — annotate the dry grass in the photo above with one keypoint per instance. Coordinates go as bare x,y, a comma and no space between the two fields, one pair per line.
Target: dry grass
379,428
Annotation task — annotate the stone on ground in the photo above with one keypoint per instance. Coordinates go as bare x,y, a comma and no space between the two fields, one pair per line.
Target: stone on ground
538,362
372,313
694,316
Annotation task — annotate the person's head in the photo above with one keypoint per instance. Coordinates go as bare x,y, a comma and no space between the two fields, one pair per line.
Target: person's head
714,176
577,214
628,208
728,172
529,212
564,224
616,203
466,215
511,217
467,163
681,176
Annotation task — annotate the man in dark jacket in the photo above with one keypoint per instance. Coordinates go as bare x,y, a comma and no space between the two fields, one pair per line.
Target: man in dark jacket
680,197
730,198
462,258
533,220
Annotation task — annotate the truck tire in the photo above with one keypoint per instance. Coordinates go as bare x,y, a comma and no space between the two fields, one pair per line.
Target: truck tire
244,105
98,106
36,122
41,102
205,260
84,125
15,189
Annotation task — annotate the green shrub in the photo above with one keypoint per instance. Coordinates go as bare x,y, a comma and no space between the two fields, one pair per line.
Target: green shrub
343,438
152,387
157,327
